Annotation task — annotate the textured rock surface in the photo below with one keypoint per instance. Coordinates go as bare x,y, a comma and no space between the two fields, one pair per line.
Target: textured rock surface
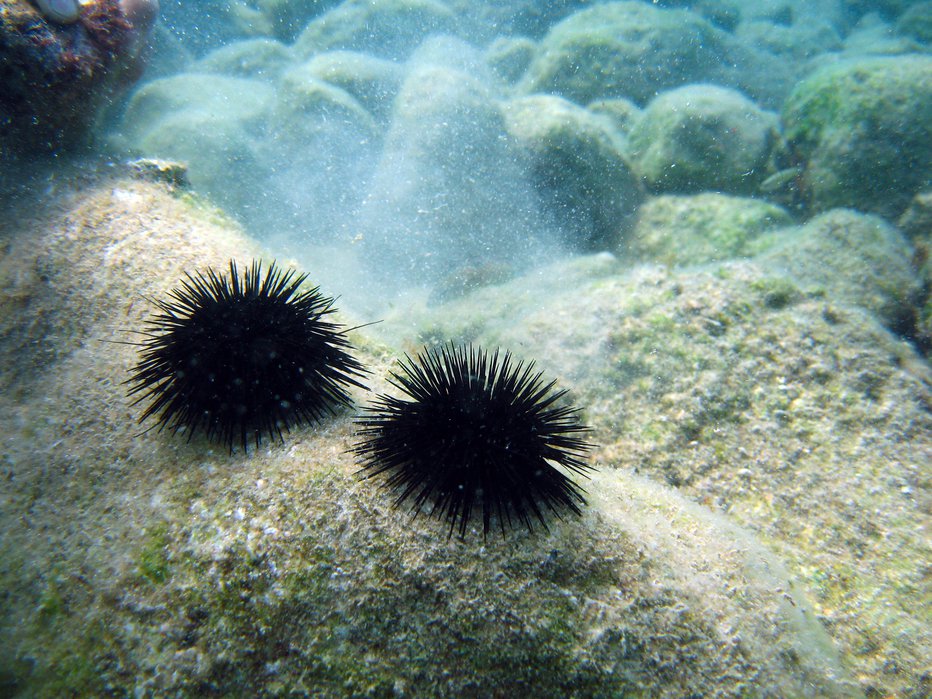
701,228
863,128
147,563
793,411
578,166
702,137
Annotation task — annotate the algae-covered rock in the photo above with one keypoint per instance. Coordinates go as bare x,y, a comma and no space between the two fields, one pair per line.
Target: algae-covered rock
318,146
447,192
148,564
250,58
853,259
702,137
577,162
373,81
864,130
689,230
790,410
509,57
622,49
874,37
384,28
236,99
634,50
286,18
623,113
211,123
796,42
916,22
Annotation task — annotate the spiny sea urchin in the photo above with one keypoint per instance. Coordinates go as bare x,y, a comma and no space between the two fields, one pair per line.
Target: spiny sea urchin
239,357
480,432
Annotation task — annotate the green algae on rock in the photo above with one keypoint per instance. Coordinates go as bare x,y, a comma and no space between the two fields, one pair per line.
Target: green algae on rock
635,49
754,392
149,565
702,137
853,259
385,28
684,230
577,162
863,129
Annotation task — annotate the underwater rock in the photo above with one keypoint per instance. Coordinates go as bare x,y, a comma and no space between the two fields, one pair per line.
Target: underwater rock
288,18
634,50
448,192
258,58
702,137
483,20
578,168
212,123
863,130
624,114
762,397
279,571
701,228
318,145
854,259
242,100
509,57
622,49
374,82
389,29
62,69
797,42
916,22
874,37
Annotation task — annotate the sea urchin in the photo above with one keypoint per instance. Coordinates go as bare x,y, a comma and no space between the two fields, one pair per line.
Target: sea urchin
480,432
239,357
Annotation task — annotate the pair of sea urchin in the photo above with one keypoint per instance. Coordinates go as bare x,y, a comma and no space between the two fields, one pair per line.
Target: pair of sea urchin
242,357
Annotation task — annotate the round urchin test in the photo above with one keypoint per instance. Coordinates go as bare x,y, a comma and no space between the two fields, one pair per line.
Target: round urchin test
476,432
239,357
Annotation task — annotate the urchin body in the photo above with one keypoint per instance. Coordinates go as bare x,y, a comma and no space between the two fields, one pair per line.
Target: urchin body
478,432
239,357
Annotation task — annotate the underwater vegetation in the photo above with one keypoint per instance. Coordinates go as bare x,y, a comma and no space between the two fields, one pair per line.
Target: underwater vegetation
480,432
242,356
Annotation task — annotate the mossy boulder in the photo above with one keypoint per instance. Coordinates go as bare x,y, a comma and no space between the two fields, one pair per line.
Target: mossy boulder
447,192
287,18
798,42
211,123
702,137
385,28
624,114
509,57
916,22
374,82
259,58
854,259
578,167
318,147
787,407
235,99
863,129
634,50
622,49
159,565
701,228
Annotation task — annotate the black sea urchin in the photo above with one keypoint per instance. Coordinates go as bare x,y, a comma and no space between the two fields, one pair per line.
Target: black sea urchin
239,357
480,432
